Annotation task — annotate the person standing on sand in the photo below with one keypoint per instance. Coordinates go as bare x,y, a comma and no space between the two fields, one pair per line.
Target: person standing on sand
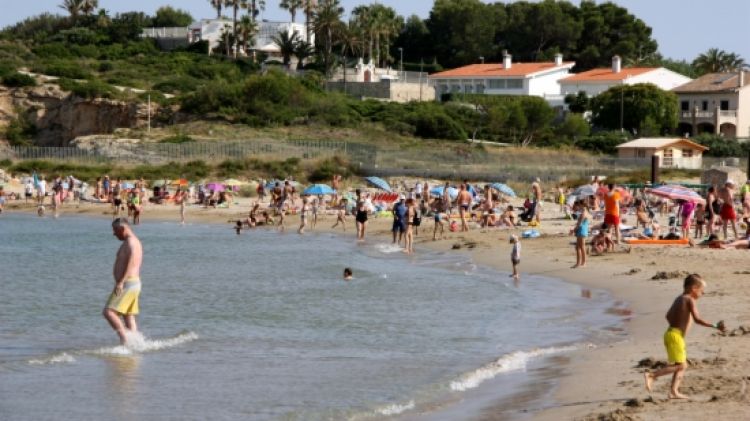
581,232
361,219
411,214
123,302
341,215
464,205
536,200
612,210
399,219
680,316
303,215
727,209
447,199
335,184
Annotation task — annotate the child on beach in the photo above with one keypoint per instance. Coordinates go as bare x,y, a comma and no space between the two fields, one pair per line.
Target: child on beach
437,213
683,311
303,216
581,231
700,220
515,255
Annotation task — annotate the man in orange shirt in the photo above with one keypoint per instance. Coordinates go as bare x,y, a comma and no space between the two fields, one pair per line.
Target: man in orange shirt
612,210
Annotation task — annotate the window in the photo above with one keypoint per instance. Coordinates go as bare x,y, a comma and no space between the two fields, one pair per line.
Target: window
515,84
480,88
667,158
704,105
687,153
724,105
685,105
640,153
497,83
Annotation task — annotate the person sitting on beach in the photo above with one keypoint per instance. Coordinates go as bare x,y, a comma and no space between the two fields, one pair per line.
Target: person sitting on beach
602,242
681,314
508,217
737,244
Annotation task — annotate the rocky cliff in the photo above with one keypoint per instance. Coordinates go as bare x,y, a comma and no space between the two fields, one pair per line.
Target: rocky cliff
59,117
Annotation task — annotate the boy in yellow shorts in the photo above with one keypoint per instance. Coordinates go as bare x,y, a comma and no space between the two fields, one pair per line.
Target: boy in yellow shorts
680,316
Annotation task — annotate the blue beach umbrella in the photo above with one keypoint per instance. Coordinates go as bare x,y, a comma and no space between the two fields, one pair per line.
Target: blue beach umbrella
379,183
438,191
504,189
318,189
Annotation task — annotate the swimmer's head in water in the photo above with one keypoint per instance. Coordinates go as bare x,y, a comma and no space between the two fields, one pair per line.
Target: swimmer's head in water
347,274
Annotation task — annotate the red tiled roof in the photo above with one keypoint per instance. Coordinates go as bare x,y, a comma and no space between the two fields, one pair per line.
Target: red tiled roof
497,70
714,82
606,75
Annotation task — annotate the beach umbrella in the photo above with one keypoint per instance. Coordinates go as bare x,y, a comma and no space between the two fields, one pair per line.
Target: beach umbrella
182,182
676,192
379,183
217,187
438,191
584,191
318,189
233,182
504,189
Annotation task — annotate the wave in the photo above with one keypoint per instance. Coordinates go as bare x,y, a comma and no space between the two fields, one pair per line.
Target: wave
136,344
509,362
388,248
395,409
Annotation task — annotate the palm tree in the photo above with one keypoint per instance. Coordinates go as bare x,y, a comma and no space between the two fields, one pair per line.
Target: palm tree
73,7
256,6
217,4
349,41
226,35
292,6
309,7
236,5
363,18
247,30
302,51
715,60
327,24
287,44
88,6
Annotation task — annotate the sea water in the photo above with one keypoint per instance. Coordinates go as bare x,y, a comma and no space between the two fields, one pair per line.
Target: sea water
261,326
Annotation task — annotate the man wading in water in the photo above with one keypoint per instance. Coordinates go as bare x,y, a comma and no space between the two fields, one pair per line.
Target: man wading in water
124,298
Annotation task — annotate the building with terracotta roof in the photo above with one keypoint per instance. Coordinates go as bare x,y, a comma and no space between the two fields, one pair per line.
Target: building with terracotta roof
672,152
716,103
508,78
596,81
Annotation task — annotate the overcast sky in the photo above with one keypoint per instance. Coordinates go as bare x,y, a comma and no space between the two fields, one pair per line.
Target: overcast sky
683,28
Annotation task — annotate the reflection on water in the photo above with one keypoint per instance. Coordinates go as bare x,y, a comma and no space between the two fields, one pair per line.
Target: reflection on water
122,381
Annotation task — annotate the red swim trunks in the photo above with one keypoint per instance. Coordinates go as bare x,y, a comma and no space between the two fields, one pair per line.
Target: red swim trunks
612,220
727,212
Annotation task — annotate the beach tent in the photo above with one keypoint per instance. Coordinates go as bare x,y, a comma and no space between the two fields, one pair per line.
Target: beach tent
379,183
504,189
318,189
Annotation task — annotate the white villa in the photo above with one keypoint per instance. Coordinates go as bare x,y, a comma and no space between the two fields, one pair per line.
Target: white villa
508,78
716,103
596,81
211,30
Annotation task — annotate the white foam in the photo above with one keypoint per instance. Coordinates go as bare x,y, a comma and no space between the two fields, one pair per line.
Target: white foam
510,362
136,343
395,409
54,359
388,248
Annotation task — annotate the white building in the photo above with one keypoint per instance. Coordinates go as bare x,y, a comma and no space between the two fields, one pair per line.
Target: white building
211,30
508,78
596,81
672,152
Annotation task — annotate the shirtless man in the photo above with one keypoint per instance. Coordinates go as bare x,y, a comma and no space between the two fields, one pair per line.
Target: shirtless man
536,199
680,316
124,298
726,194
464,205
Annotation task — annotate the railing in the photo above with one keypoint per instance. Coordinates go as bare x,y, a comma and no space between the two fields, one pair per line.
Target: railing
728,113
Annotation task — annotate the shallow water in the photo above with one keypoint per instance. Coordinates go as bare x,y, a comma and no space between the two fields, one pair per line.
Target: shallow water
261,326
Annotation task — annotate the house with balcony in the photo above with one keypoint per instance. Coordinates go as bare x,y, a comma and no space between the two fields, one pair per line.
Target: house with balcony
506,78
211,30
595,81
717,103
672,152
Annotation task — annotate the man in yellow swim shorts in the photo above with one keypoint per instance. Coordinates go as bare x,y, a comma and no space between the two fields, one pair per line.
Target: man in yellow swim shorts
680,316
123,302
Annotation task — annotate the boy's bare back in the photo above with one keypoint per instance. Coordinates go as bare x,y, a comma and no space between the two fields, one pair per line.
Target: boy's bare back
680,314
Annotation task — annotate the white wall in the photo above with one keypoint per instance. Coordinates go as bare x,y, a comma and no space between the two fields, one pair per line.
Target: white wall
743,111
547,84
661,77
591,89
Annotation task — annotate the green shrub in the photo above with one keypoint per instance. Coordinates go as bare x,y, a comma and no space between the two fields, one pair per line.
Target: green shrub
90,89
64,69
20,131
325,169
178,138
17,80
5,163
720,146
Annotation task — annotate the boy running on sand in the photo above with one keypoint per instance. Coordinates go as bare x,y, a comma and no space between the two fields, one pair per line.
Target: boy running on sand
683,311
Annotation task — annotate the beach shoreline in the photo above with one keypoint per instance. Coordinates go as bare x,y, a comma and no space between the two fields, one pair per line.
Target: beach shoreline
594,381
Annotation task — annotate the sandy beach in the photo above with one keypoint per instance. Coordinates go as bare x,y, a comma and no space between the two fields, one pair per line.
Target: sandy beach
604,383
